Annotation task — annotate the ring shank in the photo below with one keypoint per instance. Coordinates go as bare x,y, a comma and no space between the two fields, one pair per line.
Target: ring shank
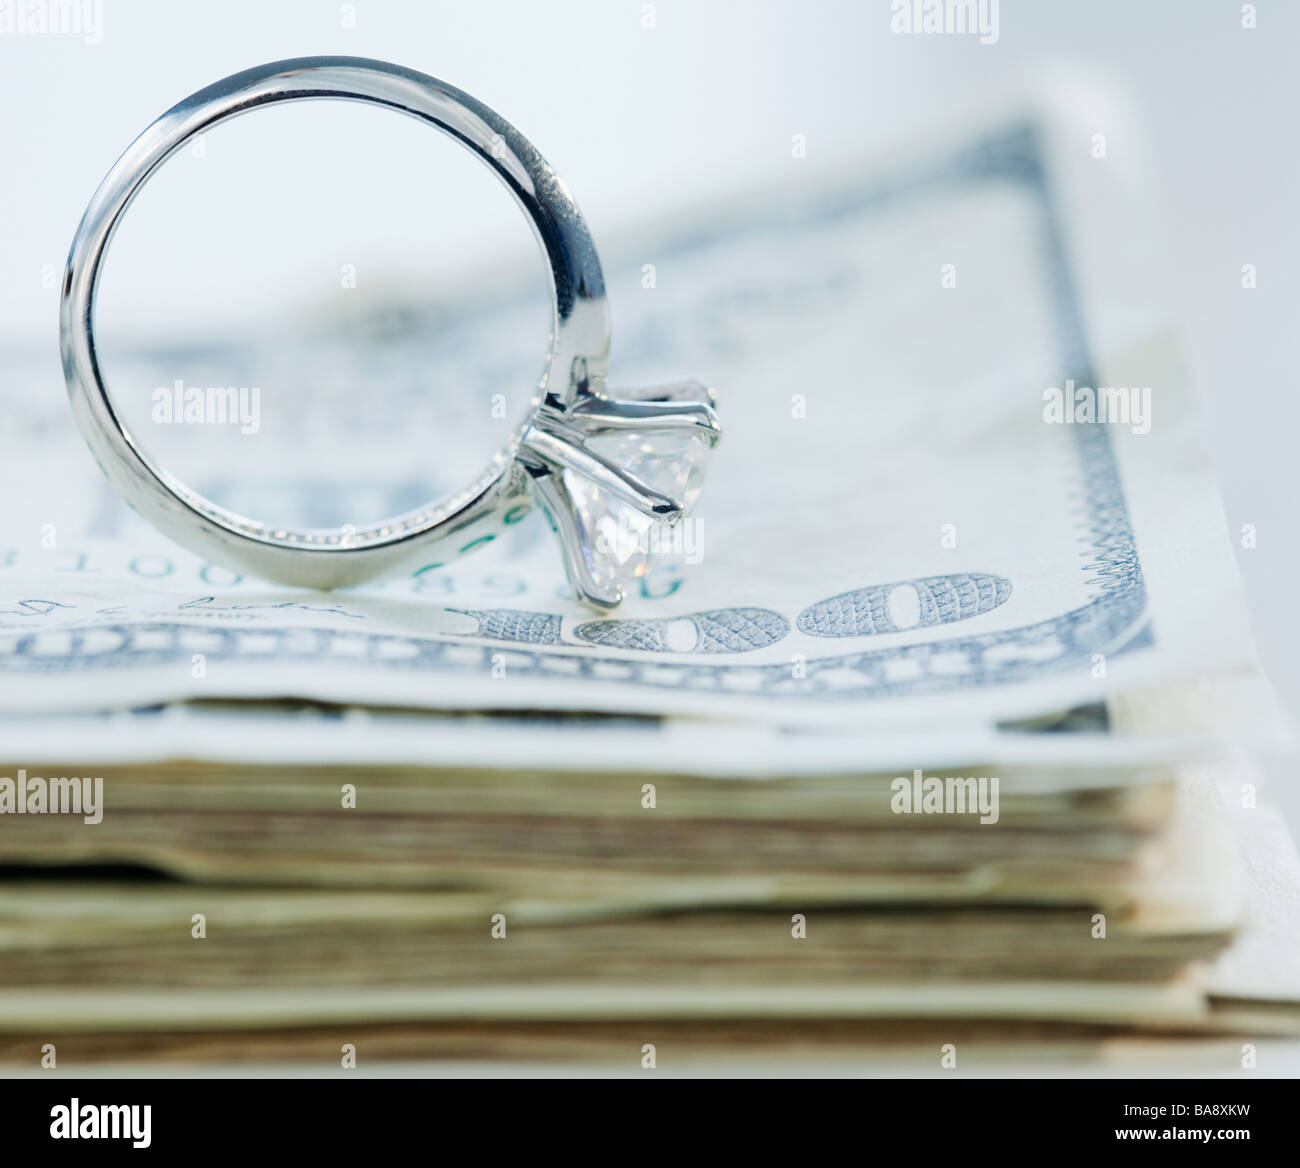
579,348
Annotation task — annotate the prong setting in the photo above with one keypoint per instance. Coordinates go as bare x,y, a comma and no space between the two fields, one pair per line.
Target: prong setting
593,496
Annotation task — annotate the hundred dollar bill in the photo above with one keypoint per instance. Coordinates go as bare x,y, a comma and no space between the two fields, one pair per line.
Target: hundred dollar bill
1139,731
1067,809
602,955
960,479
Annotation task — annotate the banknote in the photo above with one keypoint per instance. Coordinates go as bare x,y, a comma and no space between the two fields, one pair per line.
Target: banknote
1173,723
103,965
639,835
562,804
291,956
916,512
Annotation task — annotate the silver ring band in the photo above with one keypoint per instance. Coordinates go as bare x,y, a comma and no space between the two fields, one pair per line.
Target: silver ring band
542,458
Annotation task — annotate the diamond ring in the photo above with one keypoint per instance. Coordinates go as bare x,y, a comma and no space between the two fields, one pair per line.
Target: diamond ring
595,461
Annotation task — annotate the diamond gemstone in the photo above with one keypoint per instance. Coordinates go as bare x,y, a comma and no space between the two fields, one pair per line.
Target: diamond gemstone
621,544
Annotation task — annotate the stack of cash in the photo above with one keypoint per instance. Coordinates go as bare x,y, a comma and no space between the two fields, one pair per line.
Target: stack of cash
933,734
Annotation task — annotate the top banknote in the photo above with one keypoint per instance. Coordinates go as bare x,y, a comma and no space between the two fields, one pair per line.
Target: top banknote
961,478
